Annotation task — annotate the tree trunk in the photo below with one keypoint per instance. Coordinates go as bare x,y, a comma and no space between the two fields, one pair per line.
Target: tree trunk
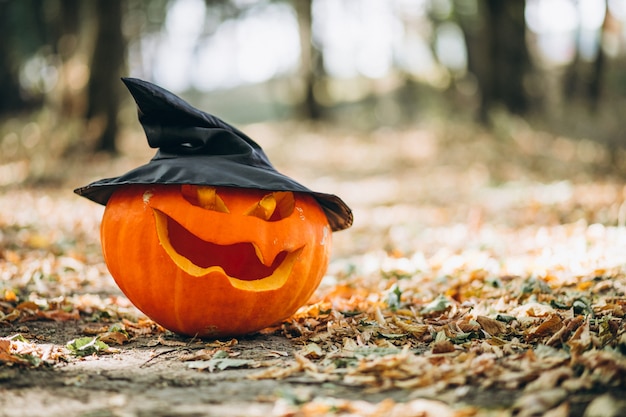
585,79
509,54
107,64
497,54
311,65
11,99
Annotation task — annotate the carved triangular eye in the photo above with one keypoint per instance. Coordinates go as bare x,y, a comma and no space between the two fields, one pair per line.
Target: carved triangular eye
273,206
205,197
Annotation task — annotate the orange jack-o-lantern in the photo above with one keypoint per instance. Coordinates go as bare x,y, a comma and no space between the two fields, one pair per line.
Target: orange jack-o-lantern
240,250
215,261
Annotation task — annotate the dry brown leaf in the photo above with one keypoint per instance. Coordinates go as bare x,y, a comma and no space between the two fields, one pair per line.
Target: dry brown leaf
562,410
277,372
94,330
28,306
580,341
443,346
426,408
305,363
226,344
547,327
11,317
468,326
605,365
171,343
200,355
539,402
114,337
564,332
550,379
5,346
142,327
491,326
60,315
416,330
312,351
613,309
606,406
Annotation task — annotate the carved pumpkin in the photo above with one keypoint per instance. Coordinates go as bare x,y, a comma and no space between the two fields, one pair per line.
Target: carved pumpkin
215,261
240,250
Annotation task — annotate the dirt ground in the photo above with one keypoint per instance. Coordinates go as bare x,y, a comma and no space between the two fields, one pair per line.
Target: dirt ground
142,380
506,255
147,380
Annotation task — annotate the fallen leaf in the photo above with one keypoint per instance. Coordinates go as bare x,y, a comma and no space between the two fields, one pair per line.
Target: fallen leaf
491,326
86,346
114,337
606,405
312,351
547,327
438,305
219,364
539,402
443,346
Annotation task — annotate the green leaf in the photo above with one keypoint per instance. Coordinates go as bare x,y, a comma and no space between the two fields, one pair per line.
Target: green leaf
581,306
535,285
86,346
33,360
505,318
463,337
393,298
438,305
18,338
560,305
220,354
118,327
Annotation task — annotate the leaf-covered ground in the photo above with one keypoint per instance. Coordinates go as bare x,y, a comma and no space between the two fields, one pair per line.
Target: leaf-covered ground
485,275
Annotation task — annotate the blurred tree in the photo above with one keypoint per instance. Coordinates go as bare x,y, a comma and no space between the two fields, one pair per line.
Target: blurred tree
69,55
311,61
16,46
509,55
107,66
495,35
67,29
584,77
41,38
10,100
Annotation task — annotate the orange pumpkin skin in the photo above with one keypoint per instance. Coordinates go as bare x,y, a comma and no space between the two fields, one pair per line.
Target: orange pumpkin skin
149,231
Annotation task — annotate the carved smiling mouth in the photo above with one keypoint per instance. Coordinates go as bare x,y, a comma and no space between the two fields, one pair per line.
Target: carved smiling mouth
242,263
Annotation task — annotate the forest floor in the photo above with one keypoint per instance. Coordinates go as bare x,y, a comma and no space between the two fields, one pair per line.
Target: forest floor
485,275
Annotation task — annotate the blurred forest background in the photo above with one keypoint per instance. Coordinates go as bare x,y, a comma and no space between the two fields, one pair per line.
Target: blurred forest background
556,65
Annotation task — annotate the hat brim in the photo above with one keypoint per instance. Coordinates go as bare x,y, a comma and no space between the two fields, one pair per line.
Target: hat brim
219,172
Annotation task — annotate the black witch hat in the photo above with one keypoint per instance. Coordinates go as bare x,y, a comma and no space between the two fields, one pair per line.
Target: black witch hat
197,148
